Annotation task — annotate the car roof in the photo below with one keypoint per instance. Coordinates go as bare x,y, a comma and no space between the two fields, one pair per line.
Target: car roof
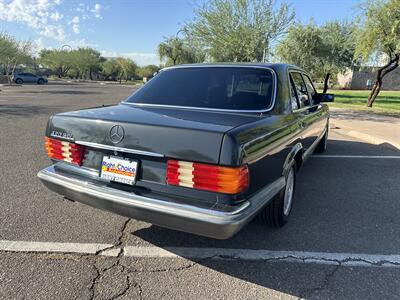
278,67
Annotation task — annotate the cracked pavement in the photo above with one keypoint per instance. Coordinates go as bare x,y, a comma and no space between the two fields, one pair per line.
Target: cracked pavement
350,206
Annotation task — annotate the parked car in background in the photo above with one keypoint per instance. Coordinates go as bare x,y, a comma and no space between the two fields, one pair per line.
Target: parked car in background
199,148
29,77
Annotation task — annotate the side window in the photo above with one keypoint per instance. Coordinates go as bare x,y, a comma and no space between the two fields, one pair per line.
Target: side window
301,89
310,86
293,96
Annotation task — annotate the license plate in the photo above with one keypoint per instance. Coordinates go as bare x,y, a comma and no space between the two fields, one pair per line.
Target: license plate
119,169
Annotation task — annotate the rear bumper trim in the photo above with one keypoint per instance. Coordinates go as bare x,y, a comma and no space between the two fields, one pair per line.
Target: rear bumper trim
206,222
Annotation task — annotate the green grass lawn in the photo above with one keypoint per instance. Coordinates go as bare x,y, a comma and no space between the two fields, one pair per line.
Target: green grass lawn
387,103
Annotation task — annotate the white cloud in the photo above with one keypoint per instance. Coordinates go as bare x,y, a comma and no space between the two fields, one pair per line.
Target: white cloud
80,8
79,43
34,13
54,32
75,28
46,21
56,16
140,58
39,45
96,10
75,20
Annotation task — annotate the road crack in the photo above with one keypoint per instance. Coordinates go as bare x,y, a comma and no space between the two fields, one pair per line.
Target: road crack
121,242
323,285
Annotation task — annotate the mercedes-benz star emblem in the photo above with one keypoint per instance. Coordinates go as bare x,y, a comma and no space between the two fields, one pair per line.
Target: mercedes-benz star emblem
117,134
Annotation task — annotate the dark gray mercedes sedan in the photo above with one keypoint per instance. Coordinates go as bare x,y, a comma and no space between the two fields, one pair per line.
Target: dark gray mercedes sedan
199,148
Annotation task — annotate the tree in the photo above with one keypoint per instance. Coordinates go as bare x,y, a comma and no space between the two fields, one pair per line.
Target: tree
119,68
148,71
77,63
127,68
323,51
171,50
303,46
340,43
238,30
380,33
13,53
178,51
110,69
84,61
59,61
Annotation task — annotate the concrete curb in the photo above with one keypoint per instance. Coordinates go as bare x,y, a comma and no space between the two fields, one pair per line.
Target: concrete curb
101,83
372,139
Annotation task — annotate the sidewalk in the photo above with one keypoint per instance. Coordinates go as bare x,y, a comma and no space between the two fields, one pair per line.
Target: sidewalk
374,129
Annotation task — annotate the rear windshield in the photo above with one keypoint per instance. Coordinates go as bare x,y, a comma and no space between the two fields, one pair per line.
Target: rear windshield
238,88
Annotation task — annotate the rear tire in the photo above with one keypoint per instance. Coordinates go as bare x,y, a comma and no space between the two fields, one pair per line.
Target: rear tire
19,81
277,213
323,143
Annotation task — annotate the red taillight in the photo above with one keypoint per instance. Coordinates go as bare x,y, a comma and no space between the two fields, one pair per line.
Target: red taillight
65,151
213,178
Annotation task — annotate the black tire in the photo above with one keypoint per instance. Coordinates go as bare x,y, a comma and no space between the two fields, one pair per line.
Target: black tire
276,214
19,81
40,81
323,143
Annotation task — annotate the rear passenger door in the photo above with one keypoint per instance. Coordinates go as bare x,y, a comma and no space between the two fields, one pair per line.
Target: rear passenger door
308,112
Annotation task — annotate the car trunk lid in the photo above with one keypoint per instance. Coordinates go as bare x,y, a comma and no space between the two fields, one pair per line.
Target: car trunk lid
191,135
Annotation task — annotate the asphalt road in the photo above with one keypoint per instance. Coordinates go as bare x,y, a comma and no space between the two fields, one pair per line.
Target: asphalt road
343,205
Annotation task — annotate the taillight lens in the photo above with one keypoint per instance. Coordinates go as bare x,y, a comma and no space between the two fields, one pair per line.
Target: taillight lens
65,151
213,178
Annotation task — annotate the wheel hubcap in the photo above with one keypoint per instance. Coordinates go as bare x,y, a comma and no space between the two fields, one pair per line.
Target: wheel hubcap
289,189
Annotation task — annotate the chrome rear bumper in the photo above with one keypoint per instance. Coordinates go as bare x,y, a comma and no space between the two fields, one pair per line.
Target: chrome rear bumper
192,219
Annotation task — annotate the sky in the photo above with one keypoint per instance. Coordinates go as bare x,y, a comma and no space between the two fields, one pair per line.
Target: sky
130,28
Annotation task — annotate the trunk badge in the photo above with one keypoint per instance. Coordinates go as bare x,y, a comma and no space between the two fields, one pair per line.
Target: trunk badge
116,134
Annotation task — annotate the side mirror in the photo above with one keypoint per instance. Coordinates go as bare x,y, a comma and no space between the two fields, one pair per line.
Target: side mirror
324,97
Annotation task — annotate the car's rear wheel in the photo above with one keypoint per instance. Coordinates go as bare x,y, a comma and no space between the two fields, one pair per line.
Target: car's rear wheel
323,143
277,213
19,81
41,81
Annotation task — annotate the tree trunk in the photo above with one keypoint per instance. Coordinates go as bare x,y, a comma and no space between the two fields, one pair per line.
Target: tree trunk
13,71
389,67
375,91
326,82
9,74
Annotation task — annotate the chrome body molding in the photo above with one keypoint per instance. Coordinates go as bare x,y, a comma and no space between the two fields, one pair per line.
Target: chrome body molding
118,149
310,150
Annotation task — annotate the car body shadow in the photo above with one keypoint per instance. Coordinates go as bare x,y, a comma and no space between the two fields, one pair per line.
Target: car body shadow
15,110
332,213
65,92
348,115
